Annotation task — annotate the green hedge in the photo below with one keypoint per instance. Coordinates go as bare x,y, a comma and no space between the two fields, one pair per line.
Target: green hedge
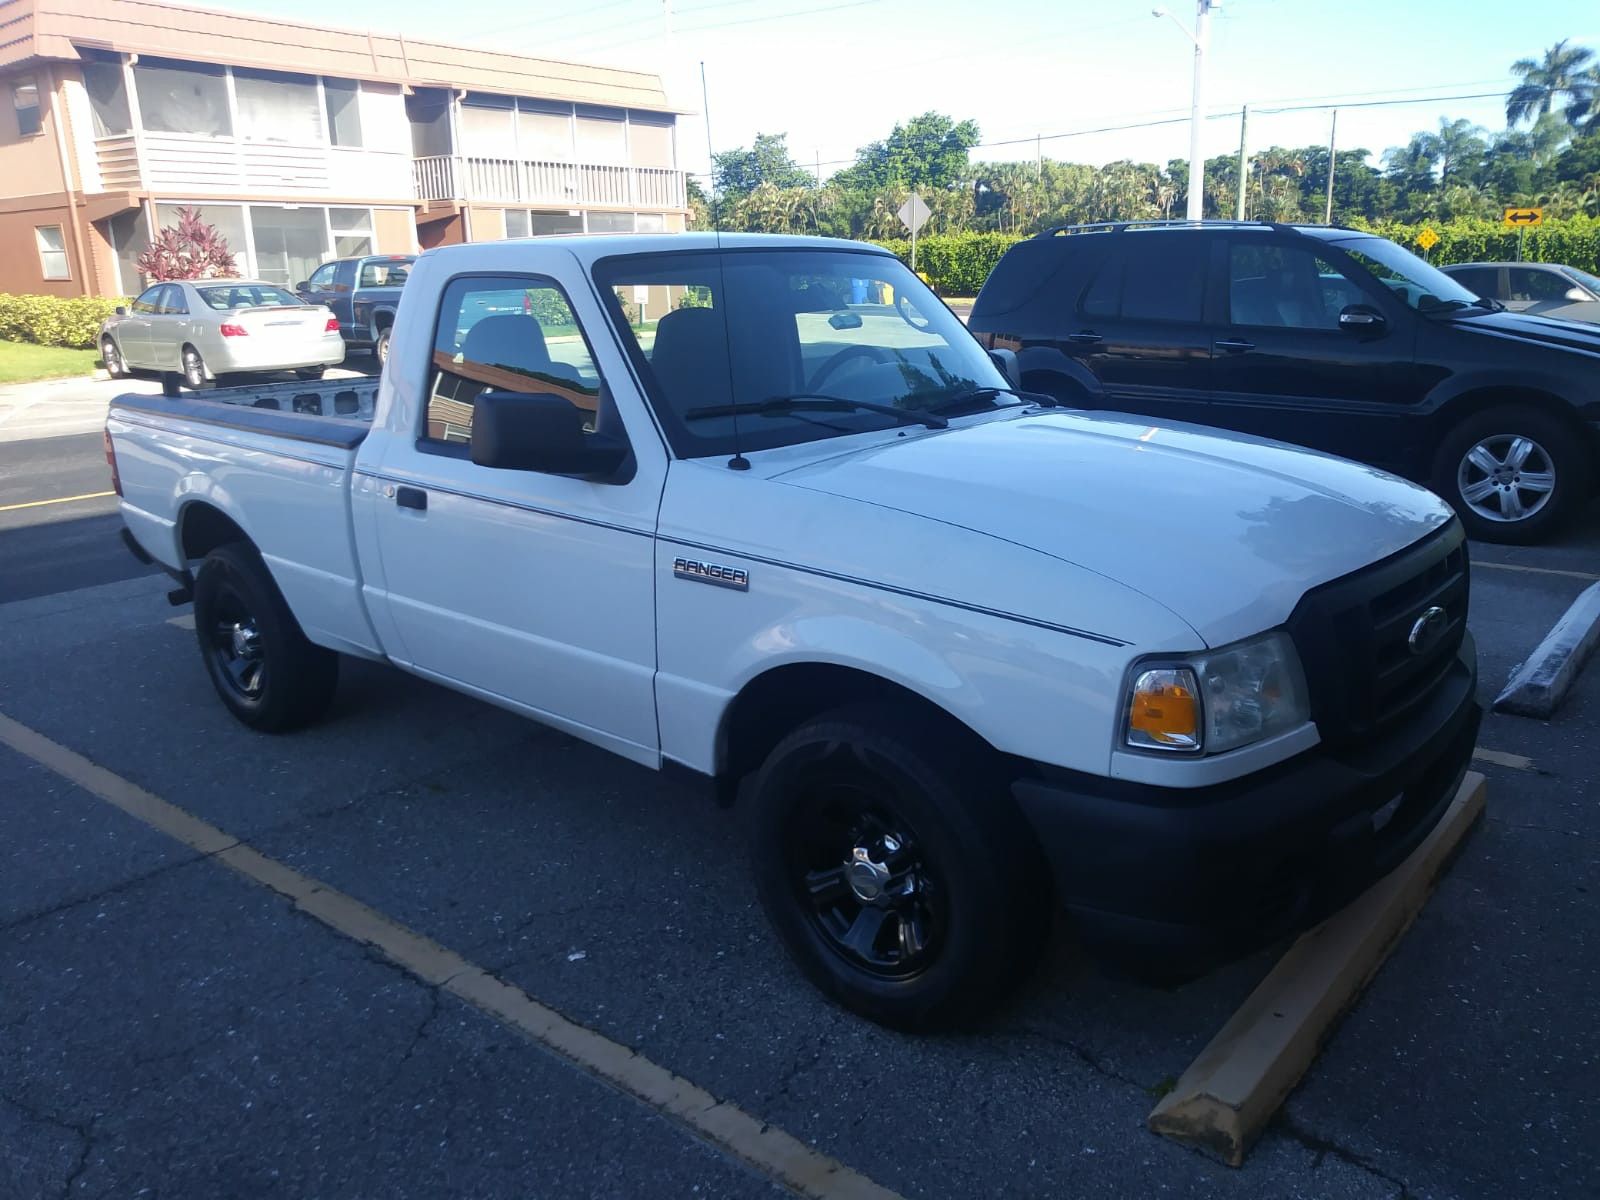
955,264
54,320
1574,241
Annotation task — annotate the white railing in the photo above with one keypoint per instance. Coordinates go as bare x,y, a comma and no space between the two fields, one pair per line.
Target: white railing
196,165
477,178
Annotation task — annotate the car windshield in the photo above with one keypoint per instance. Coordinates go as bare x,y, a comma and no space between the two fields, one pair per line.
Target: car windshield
227,297
1589,281
751,349
1422,286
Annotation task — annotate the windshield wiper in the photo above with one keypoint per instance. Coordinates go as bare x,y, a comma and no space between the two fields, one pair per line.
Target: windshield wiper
780,406
986,393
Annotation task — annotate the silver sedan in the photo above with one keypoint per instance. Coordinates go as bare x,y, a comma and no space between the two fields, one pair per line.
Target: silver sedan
206,328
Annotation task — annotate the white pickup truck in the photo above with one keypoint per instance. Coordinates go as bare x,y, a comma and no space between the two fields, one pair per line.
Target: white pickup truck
762,510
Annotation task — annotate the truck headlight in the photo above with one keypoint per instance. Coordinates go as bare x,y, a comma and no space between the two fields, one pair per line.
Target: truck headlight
1219,700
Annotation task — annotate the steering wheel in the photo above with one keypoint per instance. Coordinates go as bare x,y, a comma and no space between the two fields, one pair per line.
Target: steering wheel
875,354
908,312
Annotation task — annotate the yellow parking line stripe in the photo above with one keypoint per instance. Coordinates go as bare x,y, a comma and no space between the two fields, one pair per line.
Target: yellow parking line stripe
1494,566
779,1155
57,500
1502,758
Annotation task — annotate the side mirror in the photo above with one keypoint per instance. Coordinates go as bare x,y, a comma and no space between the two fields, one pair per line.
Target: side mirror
1577,295
302,286
1362,318
1006,360
121,310
540,431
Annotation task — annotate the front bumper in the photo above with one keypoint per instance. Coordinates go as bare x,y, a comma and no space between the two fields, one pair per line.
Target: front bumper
1184,879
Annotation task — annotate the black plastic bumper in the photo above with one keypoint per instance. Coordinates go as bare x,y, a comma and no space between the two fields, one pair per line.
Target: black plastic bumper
1189,878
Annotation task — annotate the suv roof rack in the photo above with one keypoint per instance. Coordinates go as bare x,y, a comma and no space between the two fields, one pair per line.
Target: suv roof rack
1176,222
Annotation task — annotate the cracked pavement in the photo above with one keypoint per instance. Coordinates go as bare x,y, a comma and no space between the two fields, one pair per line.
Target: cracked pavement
166,1025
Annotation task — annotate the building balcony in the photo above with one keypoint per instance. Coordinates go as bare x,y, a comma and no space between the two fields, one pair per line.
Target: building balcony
534,182
188,165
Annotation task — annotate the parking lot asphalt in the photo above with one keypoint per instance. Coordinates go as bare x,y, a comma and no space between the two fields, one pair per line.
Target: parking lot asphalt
167,1027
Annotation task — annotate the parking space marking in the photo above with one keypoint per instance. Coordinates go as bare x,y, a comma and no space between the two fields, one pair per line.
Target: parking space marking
57,500
1478,562
780,1156
182,620
1502,758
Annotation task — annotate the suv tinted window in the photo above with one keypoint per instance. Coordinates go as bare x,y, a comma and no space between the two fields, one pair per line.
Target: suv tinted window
1103,296
1483,280
1164,278
1286,287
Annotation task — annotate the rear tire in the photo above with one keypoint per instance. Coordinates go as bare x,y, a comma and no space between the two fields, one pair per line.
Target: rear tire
194,368
1513,474
310,372
265,670
897,871
380,348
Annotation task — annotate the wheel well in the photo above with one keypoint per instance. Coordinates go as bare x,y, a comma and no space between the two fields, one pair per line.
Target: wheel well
1469,404
204,527
1054,383
381,320
773,704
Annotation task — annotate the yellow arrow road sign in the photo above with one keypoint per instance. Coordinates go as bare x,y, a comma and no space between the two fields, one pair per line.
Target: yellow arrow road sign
1524,218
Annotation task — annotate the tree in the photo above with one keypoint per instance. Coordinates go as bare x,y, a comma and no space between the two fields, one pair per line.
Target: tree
737,173
1564,71
1457,148
192,250
928,151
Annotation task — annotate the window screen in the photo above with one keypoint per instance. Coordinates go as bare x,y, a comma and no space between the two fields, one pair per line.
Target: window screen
343,98
487,132
650,141
545,135
108,97
52,252
512,333
279,108
602,139
25,98
182,98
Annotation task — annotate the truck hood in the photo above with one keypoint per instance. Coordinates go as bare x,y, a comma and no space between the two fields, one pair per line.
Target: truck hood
1225,531
1530,327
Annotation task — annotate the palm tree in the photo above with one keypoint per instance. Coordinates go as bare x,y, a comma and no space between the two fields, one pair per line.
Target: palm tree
1456,145
1565,71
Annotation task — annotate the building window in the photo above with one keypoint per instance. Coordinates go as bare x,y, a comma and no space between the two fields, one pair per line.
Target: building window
601,137
108,97
52,252
25,98
611,222
274,107
343,98
177,97
229,222
650,140
352,231
544,132
487,132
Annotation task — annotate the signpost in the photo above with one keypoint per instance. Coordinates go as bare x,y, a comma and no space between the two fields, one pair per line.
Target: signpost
914,215
1427,239
1522,220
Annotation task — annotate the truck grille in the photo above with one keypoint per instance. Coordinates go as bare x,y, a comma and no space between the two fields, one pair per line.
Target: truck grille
1354,637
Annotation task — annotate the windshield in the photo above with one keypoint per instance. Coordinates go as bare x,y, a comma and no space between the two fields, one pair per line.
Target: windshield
1589,281
1423,287
246,295
819,339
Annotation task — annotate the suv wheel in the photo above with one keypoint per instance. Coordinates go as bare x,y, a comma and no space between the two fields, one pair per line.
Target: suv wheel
898,873
1513,474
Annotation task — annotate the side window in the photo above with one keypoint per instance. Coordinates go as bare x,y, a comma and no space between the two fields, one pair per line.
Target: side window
149,301
1535,285
1103,296
1286,287
1485,281
514,333
1165,277
172,301
322,278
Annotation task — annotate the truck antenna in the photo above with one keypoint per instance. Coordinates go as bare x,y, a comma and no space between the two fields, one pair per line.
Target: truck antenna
738,462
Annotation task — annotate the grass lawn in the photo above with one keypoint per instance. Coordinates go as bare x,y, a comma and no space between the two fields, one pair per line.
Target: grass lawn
21,362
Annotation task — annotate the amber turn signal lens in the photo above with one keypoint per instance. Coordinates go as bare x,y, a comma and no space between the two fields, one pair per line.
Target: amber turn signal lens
1164,712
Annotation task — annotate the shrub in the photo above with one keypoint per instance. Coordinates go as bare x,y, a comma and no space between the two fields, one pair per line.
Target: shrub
1574,241
54,320
955,264
194,250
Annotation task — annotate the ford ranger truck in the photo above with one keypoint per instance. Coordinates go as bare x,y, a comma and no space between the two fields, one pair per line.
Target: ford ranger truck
759,509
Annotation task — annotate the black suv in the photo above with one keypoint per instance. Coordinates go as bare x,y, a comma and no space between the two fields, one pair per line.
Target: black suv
1326,337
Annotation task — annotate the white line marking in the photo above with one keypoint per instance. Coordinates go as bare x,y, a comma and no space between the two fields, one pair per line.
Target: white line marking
1502,758
1478,562
182,620
779,1155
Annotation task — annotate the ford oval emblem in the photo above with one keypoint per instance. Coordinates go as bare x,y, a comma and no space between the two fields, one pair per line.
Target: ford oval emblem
1427,630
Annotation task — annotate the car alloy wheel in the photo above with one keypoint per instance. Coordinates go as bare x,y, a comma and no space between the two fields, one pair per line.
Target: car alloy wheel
112,357
1506,477
235,644
194,369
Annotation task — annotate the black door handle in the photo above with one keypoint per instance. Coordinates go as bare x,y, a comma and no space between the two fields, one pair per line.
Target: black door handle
410,497
1087,338
1235,345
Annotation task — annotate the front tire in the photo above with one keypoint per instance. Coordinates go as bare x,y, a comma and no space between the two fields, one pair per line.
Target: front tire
895,868
265,670
111,355
194,368
1513,474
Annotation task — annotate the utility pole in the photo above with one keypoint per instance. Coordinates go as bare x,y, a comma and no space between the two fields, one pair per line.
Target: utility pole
1201,38
1333,141
1244,161
1038,156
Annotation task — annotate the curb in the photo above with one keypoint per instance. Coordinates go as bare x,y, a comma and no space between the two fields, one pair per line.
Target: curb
1229,1093
1537,687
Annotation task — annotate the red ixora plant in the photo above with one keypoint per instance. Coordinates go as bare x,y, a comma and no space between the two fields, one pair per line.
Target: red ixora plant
194,250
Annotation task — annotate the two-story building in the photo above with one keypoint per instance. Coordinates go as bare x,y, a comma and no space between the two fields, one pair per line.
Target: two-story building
301,143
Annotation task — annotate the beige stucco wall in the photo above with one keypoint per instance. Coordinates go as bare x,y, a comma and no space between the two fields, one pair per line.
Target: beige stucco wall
487,224
29,166
396,230
20,269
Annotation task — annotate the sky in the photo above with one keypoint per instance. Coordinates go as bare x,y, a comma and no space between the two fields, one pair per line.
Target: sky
836,74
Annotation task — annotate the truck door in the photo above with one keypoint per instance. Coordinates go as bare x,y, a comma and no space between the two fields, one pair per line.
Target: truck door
532,589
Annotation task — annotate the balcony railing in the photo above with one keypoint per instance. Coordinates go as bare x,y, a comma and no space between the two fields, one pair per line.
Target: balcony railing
533,181
191,165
